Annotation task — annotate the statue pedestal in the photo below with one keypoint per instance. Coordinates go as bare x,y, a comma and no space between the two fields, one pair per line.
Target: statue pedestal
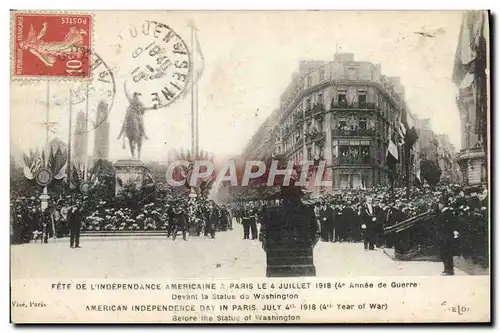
129,173
287,260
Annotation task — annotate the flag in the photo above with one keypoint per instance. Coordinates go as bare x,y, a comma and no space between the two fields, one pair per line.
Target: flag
402,133
392,151
418,176
62,172
469,37
197,58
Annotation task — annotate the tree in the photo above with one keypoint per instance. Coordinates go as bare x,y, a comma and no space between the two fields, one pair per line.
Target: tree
430,172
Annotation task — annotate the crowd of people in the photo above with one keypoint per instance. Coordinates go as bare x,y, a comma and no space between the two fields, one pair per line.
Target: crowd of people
352,216
68,216
368,216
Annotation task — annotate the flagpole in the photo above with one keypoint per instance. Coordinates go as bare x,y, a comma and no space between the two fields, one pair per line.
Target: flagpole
193,115
47,115
197,142
69,138
193,131
86,129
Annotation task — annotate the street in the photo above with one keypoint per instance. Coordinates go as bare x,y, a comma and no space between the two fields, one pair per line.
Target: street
227,256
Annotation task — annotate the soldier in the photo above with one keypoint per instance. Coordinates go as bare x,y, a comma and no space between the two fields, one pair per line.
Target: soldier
74,224
448,235
349,222
170,219
248,218
180,221
212,219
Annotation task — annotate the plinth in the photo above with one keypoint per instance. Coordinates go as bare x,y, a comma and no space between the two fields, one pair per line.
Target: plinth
129,173
287,260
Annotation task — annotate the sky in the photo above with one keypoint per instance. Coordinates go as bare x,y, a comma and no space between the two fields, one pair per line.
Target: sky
249,58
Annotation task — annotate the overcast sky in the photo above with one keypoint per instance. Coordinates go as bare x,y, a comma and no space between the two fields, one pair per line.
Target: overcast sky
249,61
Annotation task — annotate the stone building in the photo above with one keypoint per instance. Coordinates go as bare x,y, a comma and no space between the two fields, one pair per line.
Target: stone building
470,76
450,171
344,112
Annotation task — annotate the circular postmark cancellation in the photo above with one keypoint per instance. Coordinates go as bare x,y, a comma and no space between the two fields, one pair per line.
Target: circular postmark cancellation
160,64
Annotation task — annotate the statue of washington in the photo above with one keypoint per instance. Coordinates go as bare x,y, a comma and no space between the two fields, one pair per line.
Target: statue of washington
133,124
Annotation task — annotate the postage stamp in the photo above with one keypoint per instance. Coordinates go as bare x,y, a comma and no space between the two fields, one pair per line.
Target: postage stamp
51,45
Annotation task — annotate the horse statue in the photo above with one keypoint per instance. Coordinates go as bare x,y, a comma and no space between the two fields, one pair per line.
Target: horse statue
133,124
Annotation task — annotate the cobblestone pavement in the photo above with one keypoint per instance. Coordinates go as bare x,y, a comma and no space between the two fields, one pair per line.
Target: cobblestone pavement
226,256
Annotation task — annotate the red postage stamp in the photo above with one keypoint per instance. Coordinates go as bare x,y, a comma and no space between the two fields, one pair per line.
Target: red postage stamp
52,45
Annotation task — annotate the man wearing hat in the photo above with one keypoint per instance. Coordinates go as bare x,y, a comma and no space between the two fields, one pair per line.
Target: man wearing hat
180,220
290,234
369,213
75,224
447,234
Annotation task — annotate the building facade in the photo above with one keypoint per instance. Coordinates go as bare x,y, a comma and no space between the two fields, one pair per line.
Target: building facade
428,140
344,112
450,171
470,76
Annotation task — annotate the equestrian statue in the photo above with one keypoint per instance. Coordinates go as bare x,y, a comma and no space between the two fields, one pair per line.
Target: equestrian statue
133,125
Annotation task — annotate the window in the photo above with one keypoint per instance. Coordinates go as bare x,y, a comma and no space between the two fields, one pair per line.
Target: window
319,126
308,104
342,123
342,98
352,74
309,154
362,100
321,74
320,99
309,81
362,124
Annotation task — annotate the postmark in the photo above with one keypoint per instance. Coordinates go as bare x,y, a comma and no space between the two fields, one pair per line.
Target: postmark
51,45
160,63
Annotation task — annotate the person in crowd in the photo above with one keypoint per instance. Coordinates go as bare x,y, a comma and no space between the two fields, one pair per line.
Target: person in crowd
448,235
248,219
326,222
75,225
369,214
180,221
212,220
64,220
55,220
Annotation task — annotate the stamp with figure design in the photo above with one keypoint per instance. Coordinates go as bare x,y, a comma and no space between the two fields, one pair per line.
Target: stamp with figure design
51,45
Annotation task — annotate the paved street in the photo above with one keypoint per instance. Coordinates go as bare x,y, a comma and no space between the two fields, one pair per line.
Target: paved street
226,256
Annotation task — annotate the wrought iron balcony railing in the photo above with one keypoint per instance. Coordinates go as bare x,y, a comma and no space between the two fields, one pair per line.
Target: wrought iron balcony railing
356,132
341,160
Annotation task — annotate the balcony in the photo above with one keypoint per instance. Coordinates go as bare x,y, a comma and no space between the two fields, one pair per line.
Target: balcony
298,124
341,160
353,106
471,153
356,132
316,136
316,109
